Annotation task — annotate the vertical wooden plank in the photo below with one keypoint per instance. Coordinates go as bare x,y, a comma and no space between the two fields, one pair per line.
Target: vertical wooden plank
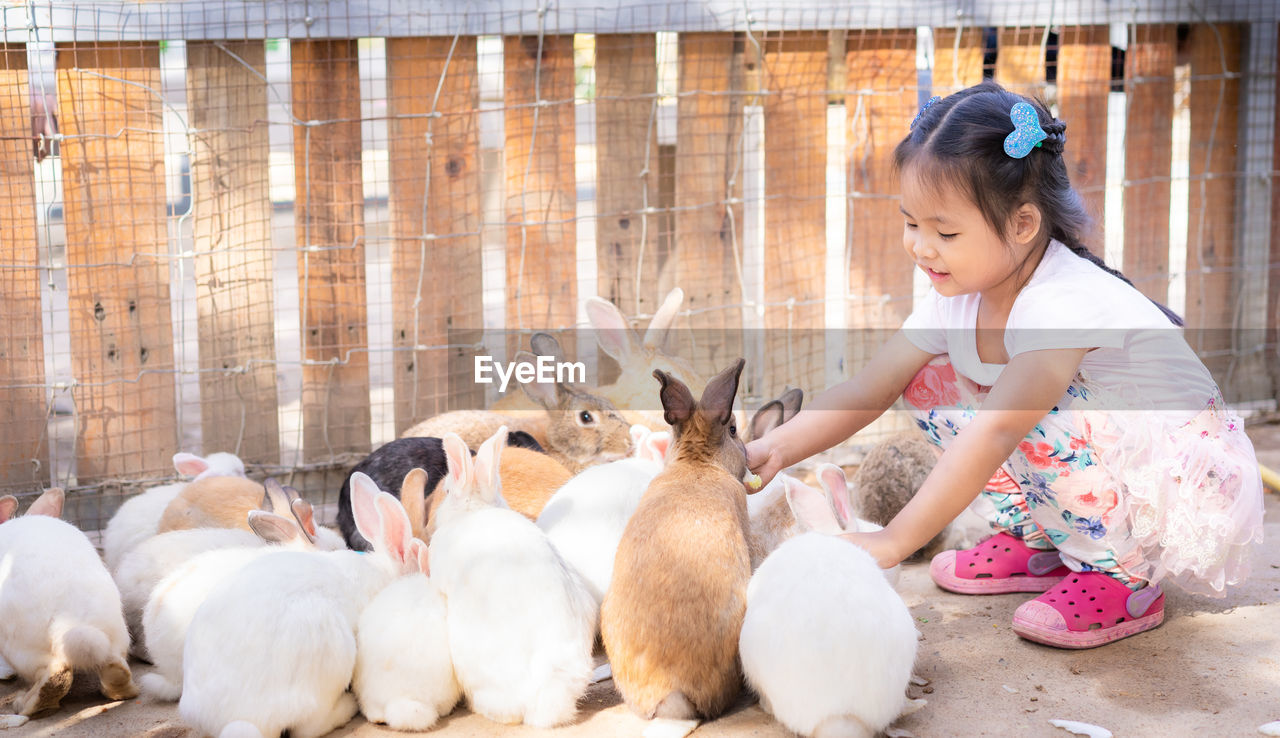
957,59
434,138
1272,357
1020,60
1215,98
795,175
541,188
1084,81
329,211
231,221
24,452
1148,157
626,176
708,223
882,73
118,276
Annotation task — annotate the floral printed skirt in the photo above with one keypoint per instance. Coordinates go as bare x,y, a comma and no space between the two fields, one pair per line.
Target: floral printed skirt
1141,495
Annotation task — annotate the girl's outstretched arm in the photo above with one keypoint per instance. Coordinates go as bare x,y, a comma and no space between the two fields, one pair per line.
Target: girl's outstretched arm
840,411
1028,388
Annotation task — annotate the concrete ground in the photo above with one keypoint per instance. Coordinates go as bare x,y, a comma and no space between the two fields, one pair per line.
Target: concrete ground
1213,668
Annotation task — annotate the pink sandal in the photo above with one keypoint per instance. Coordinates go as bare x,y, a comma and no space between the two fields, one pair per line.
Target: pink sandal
1000,564
1089,609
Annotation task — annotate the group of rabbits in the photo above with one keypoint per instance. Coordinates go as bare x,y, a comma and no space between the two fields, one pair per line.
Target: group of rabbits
485,577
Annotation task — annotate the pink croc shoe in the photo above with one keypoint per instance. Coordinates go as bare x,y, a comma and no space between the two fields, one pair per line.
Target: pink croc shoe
998,565
1088,609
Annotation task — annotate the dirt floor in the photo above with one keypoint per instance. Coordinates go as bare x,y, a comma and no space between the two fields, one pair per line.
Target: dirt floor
1213,668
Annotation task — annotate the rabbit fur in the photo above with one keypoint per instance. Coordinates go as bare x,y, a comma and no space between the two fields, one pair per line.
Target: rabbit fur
273,647
404,674
136,520
671,616
173,600
142,568
529,661
59,610
585,518
826,643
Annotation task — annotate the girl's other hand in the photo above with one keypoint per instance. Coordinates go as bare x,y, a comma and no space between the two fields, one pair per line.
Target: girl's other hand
880,545
764,459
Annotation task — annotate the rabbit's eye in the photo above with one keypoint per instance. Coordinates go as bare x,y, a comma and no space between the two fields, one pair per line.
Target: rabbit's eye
733,429
586,418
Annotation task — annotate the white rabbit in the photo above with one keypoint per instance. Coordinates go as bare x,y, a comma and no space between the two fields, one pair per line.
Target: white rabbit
59,609
273,647
826,643
585,518
404,674
147,564
174,600
136,520
521,623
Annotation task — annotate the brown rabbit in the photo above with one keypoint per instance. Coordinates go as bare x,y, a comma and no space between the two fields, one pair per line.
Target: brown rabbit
889,477
577,428
224,502
529,478
671,618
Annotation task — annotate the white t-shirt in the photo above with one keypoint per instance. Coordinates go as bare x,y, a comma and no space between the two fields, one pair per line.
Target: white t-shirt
1069,302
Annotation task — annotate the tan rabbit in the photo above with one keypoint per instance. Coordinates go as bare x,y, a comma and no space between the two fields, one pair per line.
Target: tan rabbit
225,502
671,618
772,521
529,479
577,428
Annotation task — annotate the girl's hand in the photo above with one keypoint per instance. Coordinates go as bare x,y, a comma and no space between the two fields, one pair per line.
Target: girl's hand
880,544
765,459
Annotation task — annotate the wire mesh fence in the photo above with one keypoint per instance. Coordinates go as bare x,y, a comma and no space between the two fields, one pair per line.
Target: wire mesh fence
286,229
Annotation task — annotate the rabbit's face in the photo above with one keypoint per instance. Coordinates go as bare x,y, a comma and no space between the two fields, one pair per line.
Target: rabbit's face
587,428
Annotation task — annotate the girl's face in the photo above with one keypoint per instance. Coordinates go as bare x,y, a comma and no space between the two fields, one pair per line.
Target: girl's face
945,234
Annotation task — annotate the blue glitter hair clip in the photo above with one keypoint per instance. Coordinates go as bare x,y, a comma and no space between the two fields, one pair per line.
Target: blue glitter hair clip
1027,133
916,119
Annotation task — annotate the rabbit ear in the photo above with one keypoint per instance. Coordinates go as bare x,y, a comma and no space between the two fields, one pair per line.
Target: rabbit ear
677,401
306,517
458,459
769,416
413,496
276,500
546,394
189,465
421,550
811,508
791,401
274,528
638,435
655,336
363,493
833,481
717,398
395,541
545,344
613,333
49,503
8,506
488,481
656,445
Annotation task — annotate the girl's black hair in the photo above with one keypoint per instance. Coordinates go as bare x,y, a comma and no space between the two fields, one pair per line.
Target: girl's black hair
963,135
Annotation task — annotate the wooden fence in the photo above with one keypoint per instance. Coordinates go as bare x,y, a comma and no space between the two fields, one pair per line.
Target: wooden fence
744,159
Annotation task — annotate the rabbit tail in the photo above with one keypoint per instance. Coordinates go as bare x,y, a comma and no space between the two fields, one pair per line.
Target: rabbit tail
159,687
842,726
85,648
240,729
410,715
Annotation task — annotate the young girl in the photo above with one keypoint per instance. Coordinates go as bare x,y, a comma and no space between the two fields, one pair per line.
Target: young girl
1055,389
